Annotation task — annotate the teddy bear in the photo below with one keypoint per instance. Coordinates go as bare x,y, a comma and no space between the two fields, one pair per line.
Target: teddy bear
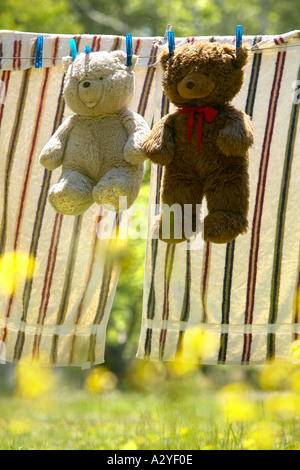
99,146
206,158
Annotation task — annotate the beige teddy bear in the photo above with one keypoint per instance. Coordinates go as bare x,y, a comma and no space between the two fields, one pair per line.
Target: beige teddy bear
99,147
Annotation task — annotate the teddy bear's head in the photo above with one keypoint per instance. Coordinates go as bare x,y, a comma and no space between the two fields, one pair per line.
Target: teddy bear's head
98,83
203,74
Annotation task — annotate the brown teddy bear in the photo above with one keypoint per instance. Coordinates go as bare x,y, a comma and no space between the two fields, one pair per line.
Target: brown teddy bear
209,157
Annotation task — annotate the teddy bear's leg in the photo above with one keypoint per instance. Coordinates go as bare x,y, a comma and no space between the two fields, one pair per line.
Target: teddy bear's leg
72,195
227,195
181,197
119,183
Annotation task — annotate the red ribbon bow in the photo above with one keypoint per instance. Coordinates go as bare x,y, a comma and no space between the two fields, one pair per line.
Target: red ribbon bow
207,111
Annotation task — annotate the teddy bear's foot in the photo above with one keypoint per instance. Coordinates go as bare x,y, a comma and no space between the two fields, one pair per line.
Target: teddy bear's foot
224,226
69,201
65,196
113,197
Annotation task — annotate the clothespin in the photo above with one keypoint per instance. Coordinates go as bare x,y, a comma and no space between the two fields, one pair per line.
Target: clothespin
73,49
168,28
171,42
39,52
238,37
129,49
87,50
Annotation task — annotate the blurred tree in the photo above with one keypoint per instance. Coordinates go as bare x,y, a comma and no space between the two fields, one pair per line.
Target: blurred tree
47,16
189,17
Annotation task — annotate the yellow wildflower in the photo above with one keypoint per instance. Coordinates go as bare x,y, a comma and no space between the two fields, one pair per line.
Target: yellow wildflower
145,374
130,445
293,382
33,380
183,431
178,369
101,380
285,405
198,345
295,352
19,427
274,376
235,404
15,267
262,436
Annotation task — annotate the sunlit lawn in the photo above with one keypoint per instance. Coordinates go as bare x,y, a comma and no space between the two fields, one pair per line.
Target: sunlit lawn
182,413
173,406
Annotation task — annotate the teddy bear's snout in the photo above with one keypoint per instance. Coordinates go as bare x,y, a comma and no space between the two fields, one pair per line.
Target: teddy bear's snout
195,85
90,92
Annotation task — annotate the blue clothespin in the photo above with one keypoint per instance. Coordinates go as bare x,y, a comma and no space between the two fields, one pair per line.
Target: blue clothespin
171,42
73,49
239,36
129,49
39,52
87,50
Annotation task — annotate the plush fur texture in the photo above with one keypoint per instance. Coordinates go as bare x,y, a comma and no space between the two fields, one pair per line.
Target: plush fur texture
204,74
99,147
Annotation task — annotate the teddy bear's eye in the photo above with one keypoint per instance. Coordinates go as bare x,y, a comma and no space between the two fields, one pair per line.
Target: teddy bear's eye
100,78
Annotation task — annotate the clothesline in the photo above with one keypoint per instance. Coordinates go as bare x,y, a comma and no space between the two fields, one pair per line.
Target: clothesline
253,49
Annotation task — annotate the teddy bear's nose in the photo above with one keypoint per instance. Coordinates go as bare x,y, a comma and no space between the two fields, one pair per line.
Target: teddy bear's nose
86,84
190,84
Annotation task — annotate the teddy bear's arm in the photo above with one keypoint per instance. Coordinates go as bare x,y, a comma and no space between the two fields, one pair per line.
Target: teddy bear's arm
237,135
52,155
159,145
137,129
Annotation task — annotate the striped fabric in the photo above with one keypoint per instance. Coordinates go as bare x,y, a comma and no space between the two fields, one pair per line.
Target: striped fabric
245,295
58,314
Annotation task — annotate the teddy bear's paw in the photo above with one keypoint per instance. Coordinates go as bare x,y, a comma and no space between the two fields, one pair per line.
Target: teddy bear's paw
224,226
134,155
69,201
232,144
113,197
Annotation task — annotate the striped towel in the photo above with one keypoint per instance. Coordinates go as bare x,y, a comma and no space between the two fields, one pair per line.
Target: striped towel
58,314
244,295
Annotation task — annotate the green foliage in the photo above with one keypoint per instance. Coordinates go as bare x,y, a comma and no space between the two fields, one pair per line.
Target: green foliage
47,16
190,17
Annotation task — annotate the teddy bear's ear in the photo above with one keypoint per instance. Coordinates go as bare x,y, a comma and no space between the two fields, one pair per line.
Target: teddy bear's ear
241,56
66,62
164,58
120,55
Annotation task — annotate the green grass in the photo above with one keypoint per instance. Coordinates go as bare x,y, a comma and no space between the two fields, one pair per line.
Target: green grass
78,420
177,415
